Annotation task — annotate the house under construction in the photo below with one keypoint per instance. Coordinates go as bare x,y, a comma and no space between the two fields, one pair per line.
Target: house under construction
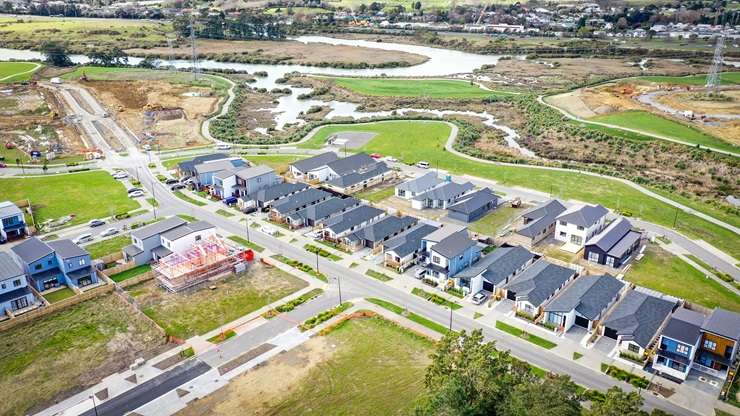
208,259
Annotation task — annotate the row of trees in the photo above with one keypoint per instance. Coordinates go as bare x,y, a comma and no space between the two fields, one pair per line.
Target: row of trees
218,26
56,54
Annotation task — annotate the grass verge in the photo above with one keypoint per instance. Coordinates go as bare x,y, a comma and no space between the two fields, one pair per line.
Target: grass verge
378,276
435,298
188,199
428,323
534,339
256,247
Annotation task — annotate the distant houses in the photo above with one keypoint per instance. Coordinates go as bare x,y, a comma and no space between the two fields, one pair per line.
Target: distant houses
345,175
12,222
418,186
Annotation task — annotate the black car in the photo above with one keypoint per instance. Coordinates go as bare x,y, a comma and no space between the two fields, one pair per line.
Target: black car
132,190
171,181
177,186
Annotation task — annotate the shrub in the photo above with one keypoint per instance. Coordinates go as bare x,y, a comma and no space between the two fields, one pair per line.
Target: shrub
324,316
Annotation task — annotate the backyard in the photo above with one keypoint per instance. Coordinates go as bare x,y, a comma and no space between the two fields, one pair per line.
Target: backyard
108,246
433,88
346,371
493,223
70,350
85,195
376,194
198,311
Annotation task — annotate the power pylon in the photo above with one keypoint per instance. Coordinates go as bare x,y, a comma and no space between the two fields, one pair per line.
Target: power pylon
194,58
713,78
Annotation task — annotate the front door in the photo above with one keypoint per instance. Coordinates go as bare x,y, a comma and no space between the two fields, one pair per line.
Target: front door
610,261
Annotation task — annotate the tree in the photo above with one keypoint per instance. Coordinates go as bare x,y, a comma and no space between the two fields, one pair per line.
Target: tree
618,403
553,396
55,54
108,57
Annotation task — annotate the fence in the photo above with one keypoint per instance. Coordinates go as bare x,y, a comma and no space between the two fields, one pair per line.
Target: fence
136,280
119,269
111,258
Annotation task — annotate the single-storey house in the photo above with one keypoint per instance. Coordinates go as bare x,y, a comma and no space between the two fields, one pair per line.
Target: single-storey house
401,252
54,264
264,198
636,320
187,168
495,269
12,222
313,169
284,207
678,345
359,162
338,226
417,186
538,223
359,180
614,246
536,285
314,214
579,223
205,172
375,234
15,294
447,252
145,240
473,206
584,302
442,196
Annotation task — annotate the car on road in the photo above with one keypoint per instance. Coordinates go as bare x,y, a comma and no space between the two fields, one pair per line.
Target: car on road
231,200
135,190
177,186
84,238
391,159
479,298
223,146
420,273
171,181
136,194
422,164
268,230
109,232
120,175
95,223
3,165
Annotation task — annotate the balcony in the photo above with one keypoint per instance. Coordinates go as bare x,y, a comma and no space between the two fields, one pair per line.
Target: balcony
674,356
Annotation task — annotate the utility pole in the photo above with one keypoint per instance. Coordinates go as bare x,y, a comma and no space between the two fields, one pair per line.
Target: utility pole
246,223
95,407
450,319
339,283
675,219
192,47
154,197
317,262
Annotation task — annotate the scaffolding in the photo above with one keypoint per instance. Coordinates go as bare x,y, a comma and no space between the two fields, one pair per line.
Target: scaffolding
206,260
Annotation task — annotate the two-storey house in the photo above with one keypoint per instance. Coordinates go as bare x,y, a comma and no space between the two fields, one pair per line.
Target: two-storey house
54,264
12,222
578,224
448,251
718,348
15,294
678,344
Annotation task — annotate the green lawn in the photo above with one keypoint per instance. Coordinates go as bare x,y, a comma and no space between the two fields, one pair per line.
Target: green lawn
85,195
534,339
494,222
435,298
109,246
225,213
131,73
278,162
433,88
375,194
400,139
378,275
187,198
725,78
434,326
661,271
655,124
256,247
8,71
172,163
133,272
60,294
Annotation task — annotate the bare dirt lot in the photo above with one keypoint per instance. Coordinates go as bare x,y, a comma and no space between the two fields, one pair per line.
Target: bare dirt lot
698,102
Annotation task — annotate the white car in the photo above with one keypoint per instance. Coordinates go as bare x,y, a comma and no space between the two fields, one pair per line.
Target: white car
391,159
269,230
223,146
479,298
315,234
84,238
120,175
136,194
423,164
109,232
420,273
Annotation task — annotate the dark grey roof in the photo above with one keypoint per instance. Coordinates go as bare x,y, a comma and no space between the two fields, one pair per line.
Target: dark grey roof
67,249
14,294
346,220
186,229
161,251
8,267
539,281
583,215
446,191
723,323
277,191
297,201
325,209
454,245
158,228
474,201
314,162
541,217
624,244
189,165
639,316
254,171
132,251
611,235
31,250
219,165
354,178
422,183
588,295
410,241
354,163
8,209
684,326
384,228
499,264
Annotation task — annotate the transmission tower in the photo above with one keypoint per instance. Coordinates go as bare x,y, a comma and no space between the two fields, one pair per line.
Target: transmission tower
194,58
171,63
713,76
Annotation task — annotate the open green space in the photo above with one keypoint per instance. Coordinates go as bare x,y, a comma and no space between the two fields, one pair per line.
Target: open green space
17,71
98,73
70,349
399,139
534,339
655,124
203,309
132,272
109,246
431,88
493,223
85,195
660,270
701,79
376,194
246,243
434,326
59,294
189,199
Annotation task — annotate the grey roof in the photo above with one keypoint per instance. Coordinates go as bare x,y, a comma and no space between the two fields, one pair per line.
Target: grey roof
443,232
325,209
277,191
539,281
161,251
189,165
299,200
224,174
132,251
354,163
314,162
541,216
684,326
31,250
8,209
583,215
616,238
723,323
624,244
410,241
446,191
158,228
384,228
474,201
8,267
354,178
254,171
219,165
67,249
346,220
499,264
588,295
454,245
639,316
422,183
186,229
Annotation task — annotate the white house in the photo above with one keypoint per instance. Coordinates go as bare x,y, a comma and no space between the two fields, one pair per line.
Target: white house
417,186
183,237
579,223
314,168
583,303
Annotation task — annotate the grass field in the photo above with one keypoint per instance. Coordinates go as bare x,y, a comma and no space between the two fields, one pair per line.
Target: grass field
17,71
651,123
85,195
534,339
69,350
494,222
375,194
98,73
661,271
109,246
189,199
433,88
199,311
132,272
59,294
725,78
412,141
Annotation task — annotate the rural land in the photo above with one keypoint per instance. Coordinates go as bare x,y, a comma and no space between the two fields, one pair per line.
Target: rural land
369,208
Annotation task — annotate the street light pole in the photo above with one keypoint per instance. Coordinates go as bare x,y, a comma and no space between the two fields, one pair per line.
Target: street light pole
450,319
339,283
95,407
154,199
317,262
246,223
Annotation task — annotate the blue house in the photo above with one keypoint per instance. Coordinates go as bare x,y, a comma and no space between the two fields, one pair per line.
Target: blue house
15,295
205,172
12,223
448,251
50,265
678,345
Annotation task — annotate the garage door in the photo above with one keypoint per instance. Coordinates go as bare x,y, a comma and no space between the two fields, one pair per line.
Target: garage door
611,333
488,286
582,322
510,295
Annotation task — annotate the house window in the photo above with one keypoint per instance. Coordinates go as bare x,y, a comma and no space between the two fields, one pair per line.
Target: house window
682,349
634,348
2,286
710,345
435,259
677,366
82,262
16,282
563,233
38,266
593,256
197,237
580,228
563,223
19,303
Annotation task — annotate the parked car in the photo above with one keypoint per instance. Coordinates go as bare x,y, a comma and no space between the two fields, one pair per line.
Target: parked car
314,234
223,146
231,200
391,159
109,232
84,238
171,181
136,194
130,191
375,155
479,298
95,223
249,210
120,175
420,273
177,186
422,164
269,230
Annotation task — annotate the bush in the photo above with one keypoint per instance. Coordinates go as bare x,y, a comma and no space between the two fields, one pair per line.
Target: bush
324,316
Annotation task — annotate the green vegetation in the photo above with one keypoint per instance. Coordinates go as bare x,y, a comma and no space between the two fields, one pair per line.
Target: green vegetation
17,71
278,162
619,374
188,199
724,276
655,124
256,247
627,135
188,218
221,337
133,272
224,213
321,252
86,195
99,73
493,223
700,80
290,305
322,317
300,266
534,339
376,195
659,270
170,164
109,246
392,136
379,276
410,315
187,352
432,88
577,355
59,294
435,298
153,202
40,360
